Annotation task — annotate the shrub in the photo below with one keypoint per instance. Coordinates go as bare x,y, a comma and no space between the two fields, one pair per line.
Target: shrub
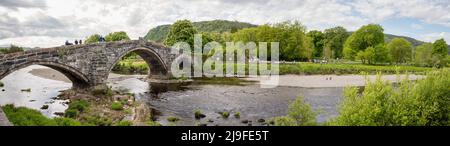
173,119
21,116
124,123
421,103
2,84
299,114
71,113
284,121
117,106
198,114
67,122
302,112
80,105
225,114
237,115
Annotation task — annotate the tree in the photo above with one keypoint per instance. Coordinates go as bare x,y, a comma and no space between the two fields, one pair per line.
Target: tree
92,39
181,31
422,54
317,38
367,36
439,53
335,39
400,50
381,54
117,36
294,44
11,49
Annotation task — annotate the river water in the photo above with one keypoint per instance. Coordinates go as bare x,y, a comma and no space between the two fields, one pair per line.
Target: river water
253,103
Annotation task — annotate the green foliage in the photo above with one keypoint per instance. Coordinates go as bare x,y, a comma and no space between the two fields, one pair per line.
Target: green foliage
334,40
367,36
400,50
299,114
439,53
198,114
237,115
422,55
422,103
284,121
294,44
21,116
67,122
181,31
173,119
129,66
225,114
76,107
11,49
2,84
92,39
124,123
117,36
318,40
117,106
222,27
340,68
96,120
374,55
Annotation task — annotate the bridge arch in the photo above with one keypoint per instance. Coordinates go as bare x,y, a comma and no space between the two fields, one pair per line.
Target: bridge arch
79,80
157,67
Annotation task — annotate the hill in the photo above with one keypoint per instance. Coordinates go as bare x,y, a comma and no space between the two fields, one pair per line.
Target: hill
414,42
159,33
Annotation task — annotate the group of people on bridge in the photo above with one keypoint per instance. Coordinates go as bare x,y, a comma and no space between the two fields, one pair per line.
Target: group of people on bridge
76,42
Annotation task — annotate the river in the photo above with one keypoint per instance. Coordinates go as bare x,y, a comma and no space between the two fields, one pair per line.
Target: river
253,103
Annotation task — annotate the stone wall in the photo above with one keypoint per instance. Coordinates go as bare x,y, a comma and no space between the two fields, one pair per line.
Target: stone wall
89,65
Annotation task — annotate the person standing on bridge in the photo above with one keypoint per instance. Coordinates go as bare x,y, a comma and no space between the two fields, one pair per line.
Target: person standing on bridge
76,42
81,42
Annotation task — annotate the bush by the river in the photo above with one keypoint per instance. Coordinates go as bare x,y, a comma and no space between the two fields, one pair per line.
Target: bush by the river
424,102
300,113
21,116
117,106
76,107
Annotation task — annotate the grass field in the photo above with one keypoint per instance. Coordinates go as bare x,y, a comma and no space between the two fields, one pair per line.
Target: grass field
302,68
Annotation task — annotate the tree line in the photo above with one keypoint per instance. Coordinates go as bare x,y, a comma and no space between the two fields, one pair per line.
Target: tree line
367,44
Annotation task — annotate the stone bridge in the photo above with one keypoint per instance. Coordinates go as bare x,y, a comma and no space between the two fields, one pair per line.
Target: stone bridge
89,65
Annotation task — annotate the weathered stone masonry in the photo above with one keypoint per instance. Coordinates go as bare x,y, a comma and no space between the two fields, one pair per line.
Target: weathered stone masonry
89,65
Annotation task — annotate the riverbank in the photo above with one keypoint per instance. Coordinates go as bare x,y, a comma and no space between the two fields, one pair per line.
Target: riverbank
325,81
290,80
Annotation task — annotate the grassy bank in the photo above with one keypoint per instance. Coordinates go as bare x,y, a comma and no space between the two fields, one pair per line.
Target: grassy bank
100,107
423,102
339,69
133,66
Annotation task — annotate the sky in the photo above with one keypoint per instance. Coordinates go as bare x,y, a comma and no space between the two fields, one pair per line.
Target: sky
48,23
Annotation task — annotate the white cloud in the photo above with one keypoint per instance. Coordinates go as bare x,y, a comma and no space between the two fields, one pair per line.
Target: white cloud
431,37
76,19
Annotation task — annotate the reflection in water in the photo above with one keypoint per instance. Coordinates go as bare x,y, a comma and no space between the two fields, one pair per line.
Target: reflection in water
43,91
177,100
